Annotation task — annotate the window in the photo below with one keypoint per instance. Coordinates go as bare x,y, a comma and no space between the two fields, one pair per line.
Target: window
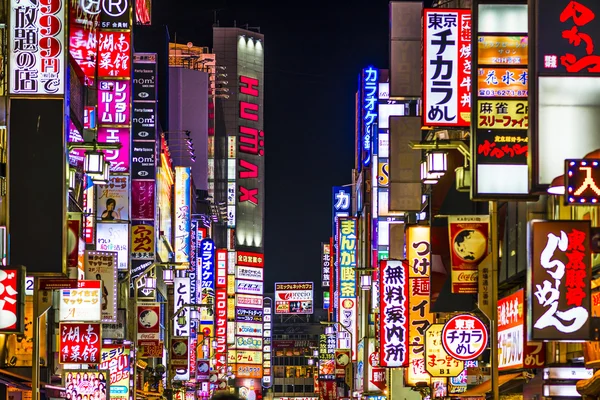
309,388
279,372
278,388
289,388
299,389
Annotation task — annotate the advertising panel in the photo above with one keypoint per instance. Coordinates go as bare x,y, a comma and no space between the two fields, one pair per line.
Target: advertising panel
115,14
346,258
325,265
249,329
144,81
250,259
267,380
148,322
581,182
143,194
559,281
37,47
181,289
206,261
82,304
83,46
294,298
115,359
502,114
509,51
102,266
248,343
142,240
165,208
464,337
112,199
393,340
502,82
248,371
511,331
447,67
119,159
79,343
143,160
114,99
182,214
221,326
369,110
439,362
179,351
248,287
248,314
140,270
12,299
249,273
326,357
469,245
418,254
248,301
245,356
96,385
114,237
144,121
114,49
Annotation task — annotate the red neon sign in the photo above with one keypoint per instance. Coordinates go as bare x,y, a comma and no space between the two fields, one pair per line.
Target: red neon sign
250,141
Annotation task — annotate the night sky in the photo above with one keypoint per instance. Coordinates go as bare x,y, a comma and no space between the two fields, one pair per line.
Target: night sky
314,51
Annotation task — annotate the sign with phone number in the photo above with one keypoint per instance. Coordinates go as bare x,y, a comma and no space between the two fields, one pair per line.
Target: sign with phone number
502,114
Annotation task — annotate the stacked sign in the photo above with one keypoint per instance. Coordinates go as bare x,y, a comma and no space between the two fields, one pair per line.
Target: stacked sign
294,298
500,145
115,359
347,258
221,309
181,327
206,294
342,204
369,90
394,330
267,380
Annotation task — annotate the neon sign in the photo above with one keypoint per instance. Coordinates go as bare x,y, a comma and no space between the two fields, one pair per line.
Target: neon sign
369,100
251,141
582,182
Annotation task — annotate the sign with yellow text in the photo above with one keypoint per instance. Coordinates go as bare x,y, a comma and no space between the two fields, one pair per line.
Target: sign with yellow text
502,114
502,50
437,361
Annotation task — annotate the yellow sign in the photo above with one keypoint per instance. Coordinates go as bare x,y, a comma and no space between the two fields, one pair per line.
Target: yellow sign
502,50
437,361
502,114
142,241
416,372
244,357
230,285
231,309
383,175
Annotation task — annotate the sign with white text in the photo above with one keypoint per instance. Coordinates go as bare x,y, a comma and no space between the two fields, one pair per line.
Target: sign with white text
464,337
393,340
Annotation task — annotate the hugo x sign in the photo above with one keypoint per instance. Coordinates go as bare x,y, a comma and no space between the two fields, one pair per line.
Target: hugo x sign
464,337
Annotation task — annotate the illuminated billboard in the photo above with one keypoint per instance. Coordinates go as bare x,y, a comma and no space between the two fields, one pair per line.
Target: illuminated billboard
294,298
182,213
86,383
393,341
114,237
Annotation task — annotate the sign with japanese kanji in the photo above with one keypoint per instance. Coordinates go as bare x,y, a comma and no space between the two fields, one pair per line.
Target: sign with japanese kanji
464,337
102,266
502,114
79,343
393,340
37,47
325,265
115,359
582,182
83,303
499,146
502,82
142,240
179,350
112,199
437,361
469,244
447,67
87,383
12,299
114,102
114,54
566,32
511,331
560,280
326,357
347,256
294,298
506,51
250,259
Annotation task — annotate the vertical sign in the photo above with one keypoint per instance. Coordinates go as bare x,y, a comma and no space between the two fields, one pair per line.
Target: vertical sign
267,380
221,309
193,276
102,266
206,294
325,265
559,281
393,330
181,288
369,112
511,331
418,253
37,47
347,257
12,299
447,67
115,359
469,245
182,213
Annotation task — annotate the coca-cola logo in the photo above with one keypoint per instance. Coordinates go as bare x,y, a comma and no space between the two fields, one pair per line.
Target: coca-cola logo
146,335
467,277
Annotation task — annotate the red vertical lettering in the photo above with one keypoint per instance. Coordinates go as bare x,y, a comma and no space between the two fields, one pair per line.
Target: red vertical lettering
248,195
248,110
251,170
249,140
249,86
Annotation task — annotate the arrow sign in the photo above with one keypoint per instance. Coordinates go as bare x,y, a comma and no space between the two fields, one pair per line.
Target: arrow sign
378,378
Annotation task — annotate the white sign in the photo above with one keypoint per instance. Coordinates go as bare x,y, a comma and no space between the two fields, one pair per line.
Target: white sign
248,343
37,47
248,301
182,293
29,286
249,329
114,237
248,287
102,266
250,273
348,315
83,304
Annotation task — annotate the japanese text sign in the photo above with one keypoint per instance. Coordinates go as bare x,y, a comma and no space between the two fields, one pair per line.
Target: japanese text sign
502,114
113,199
207,270
248,287
326,358
79,343
89,383
469,244
82,41
342,197
143,194
144,79
502,50
37,47
502,147
250,273
114,54
116,14
294,298
416,372
12,299
582,182
114,237
250,259
566,32
511,331
181,288
325,265
502,82
559,280
447,67
142,240
221,327
102,266
393,331
347,256
437,361
83,303
369,81
114,102
119,159
115,359
464,337
182,213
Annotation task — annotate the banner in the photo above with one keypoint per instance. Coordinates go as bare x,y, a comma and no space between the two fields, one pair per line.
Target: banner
511,331
393,340
115,359
469,244
102,266
79,343
83,303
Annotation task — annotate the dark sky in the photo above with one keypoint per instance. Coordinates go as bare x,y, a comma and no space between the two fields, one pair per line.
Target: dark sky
314,51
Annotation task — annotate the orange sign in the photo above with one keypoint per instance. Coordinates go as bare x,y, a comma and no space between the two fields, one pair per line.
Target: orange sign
502,82
502,50
248,371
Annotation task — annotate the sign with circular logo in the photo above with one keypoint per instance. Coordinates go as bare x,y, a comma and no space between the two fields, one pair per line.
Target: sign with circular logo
464,337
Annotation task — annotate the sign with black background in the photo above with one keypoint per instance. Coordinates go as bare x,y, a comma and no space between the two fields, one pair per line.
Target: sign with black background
144,121
143,160
144,82
116,14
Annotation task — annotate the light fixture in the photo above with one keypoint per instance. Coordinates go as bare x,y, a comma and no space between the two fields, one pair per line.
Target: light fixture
315,353
72,178
181,320
365,282
557,187
329,330
103,179
194,313
427,179
93,164
311,361
205,350
150,282
437,162
168,275
215,344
